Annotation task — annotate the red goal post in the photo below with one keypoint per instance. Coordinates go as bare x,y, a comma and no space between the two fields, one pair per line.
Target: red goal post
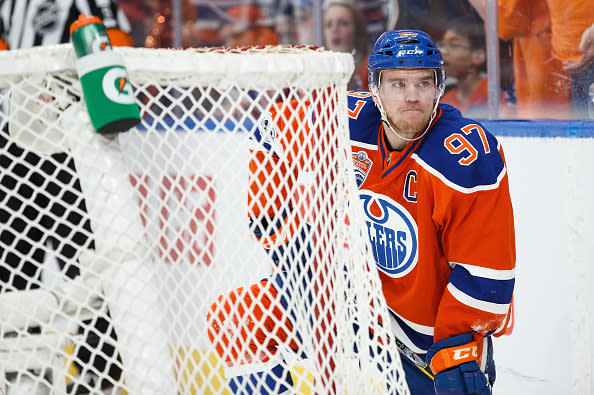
155,221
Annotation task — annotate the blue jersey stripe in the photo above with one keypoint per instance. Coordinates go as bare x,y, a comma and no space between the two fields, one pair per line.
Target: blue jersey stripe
485,289
419,340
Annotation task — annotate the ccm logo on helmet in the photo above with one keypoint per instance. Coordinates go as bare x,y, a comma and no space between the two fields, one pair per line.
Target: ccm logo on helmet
404,52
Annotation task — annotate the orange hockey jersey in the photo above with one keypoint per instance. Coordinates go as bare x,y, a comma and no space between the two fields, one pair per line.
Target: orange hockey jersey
438,217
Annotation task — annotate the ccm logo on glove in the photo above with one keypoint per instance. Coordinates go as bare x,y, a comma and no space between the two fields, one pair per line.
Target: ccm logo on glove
453,356
465,352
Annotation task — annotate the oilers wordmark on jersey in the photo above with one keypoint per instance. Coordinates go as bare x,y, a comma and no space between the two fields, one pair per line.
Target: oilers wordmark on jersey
392,233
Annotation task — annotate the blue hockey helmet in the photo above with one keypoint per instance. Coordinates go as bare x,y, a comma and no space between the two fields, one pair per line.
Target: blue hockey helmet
405,49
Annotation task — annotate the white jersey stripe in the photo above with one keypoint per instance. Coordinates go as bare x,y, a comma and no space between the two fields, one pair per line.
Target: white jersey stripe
371,147
495,308
457,187
484,272
400,335
424,329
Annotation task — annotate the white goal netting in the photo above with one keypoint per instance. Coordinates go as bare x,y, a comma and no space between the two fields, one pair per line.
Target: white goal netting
118,254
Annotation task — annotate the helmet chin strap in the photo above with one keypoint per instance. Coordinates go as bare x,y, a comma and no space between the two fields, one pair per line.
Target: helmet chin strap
386,121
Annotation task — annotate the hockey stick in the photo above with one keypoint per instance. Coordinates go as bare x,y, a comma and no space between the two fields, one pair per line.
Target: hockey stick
411,356
414,358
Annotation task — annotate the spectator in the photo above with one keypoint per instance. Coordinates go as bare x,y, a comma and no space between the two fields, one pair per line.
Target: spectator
587,48
296,25
543,89
345,30
52,215
572,25
432,16
247,25
464,55
553,50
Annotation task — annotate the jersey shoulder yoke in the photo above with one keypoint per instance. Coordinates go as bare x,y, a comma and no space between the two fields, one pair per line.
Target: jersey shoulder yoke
461,152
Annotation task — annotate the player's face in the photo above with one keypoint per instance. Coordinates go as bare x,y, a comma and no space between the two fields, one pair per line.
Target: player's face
408,96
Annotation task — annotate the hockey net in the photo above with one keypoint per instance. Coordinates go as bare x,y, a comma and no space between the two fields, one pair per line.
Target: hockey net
114,248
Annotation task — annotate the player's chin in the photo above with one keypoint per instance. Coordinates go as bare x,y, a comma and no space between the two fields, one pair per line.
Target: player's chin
414,120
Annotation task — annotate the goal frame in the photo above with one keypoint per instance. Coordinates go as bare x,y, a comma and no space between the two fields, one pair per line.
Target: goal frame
114,275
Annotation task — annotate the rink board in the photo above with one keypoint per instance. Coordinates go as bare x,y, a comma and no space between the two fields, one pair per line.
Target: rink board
550,350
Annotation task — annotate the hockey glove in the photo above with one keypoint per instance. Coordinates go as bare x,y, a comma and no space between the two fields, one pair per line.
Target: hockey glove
454,364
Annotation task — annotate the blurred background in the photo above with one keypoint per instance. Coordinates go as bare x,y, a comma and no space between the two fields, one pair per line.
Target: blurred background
504,59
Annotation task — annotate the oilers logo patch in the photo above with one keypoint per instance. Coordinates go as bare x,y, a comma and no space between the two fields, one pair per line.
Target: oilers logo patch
268,135
362,165
392,232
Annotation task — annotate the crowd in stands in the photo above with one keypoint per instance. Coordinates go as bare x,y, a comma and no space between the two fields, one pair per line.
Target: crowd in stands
546,47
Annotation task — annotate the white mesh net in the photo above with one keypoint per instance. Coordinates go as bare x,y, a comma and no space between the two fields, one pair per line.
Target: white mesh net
122,257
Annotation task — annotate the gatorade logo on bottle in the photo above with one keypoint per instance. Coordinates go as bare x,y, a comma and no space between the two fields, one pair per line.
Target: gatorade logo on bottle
117,87
100,43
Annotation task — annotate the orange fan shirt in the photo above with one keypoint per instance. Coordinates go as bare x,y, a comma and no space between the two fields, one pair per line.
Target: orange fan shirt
569,19
543,89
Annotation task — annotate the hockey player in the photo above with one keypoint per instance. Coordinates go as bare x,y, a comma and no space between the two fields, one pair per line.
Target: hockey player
448,276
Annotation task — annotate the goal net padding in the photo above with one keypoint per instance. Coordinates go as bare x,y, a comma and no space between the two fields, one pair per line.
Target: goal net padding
146,229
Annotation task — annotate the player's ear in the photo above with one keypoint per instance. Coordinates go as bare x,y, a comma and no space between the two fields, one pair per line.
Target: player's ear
374,94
